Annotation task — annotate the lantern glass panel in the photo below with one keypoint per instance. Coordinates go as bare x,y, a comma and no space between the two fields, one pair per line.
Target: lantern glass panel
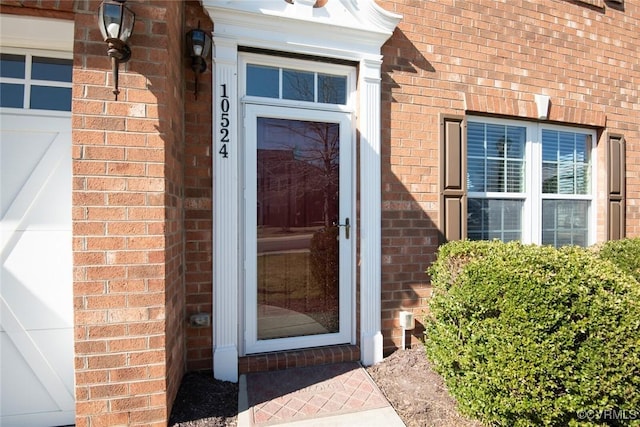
110,20
128,19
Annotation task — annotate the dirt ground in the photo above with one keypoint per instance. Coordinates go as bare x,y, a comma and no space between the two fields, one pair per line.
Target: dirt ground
416,392
418,395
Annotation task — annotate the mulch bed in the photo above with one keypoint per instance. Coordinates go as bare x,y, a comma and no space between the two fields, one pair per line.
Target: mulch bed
203,401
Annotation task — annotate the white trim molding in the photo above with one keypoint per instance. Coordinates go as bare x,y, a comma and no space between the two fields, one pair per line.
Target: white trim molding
36,33
350,30
226,188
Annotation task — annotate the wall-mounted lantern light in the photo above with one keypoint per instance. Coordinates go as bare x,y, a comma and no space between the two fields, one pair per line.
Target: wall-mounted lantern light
116,25
198,47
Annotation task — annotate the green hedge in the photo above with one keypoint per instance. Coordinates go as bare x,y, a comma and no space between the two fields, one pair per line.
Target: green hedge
529,335
623,253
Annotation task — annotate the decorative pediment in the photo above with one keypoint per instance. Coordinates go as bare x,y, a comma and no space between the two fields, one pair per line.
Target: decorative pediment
338,28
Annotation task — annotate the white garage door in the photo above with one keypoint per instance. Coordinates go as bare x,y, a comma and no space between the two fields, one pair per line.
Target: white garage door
36,296
36,330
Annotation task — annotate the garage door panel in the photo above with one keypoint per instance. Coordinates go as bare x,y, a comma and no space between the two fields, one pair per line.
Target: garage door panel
17,163
38,184
49,306
52,208
36,288
21,390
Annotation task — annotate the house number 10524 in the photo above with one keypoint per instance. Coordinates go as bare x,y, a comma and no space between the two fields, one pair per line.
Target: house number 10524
224,121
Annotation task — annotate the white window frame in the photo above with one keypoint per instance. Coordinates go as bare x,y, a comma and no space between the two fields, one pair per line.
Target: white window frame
284,63
533,195
28,82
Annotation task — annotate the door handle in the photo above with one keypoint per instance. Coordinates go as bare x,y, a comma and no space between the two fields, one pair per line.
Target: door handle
346,226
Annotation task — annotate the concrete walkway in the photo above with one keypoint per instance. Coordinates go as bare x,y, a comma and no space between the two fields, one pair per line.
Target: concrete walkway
339,394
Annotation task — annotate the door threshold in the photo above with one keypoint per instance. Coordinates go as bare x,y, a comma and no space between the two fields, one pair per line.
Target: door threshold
277,360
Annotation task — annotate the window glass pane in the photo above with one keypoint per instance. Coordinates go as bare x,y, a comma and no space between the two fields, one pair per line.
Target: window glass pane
475,140
566,146
298,85
59,70
583,164
332,89
566,163
495,157
495,175
515,176
583,179
12,66
11,95
565,222
494,219
475,175
516,139
51,98
263,81
549,177
549,145
495,140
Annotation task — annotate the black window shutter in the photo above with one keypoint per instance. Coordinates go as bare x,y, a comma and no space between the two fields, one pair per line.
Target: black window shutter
453,182
616,187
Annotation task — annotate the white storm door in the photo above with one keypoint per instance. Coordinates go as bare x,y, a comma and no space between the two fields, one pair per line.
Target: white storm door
299,228
36,297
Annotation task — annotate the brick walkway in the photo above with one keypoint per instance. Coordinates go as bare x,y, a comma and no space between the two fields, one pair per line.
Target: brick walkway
299,394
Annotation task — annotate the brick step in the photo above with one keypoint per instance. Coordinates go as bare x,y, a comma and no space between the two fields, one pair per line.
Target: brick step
298,358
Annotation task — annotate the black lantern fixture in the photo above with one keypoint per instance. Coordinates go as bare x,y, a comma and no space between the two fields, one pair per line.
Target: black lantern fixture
198,47
116,25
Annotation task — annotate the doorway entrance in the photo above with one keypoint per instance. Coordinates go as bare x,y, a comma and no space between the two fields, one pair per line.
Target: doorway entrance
298,228
309,61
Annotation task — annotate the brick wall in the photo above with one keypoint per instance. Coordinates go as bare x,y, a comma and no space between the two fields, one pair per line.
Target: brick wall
171,107
128,220
485,56
198,202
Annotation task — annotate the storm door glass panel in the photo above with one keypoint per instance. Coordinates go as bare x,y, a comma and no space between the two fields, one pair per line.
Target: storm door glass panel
297,242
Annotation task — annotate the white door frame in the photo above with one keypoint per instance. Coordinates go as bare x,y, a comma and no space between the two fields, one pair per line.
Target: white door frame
352,30
346,251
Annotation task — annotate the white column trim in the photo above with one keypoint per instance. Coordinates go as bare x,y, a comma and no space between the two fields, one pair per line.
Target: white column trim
370,216
226,228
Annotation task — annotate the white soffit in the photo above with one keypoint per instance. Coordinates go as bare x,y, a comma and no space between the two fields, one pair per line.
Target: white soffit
36,33
347,29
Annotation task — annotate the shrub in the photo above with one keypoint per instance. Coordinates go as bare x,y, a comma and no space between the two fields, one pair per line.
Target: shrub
623,253
530,335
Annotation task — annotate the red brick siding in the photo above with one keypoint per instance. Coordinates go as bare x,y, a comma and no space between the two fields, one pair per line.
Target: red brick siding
128,220
486,56
198,202
172,108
